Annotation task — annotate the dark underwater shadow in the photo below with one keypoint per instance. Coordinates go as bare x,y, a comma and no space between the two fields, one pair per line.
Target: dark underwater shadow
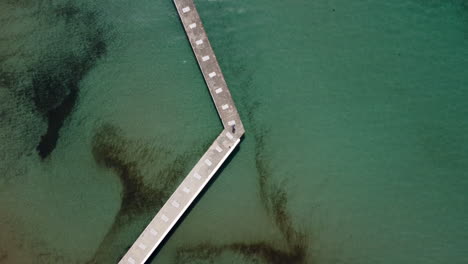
42,66
141,198
274,200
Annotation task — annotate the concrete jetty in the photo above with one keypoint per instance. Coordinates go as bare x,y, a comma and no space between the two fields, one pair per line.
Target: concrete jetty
213,158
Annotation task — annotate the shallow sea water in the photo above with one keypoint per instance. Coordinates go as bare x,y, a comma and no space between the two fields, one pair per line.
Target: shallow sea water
356,146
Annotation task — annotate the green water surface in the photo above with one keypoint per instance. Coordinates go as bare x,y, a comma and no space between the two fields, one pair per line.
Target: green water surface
356,145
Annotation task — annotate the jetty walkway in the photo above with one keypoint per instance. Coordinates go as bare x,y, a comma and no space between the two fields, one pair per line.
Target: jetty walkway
213,158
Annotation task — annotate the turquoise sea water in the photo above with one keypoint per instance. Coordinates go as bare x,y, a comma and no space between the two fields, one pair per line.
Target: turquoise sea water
356,146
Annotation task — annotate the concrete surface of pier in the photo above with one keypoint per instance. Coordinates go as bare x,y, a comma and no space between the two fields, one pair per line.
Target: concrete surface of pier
213,158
